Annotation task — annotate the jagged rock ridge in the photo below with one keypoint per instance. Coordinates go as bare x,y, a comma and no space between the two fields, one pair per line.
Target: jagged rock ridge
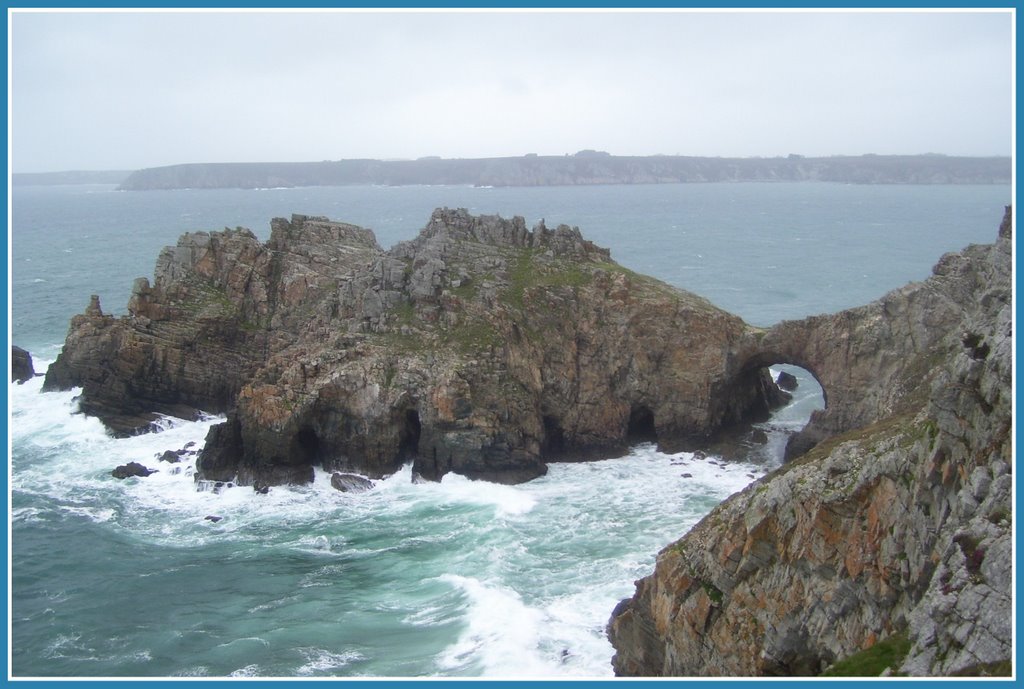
480,347
901,525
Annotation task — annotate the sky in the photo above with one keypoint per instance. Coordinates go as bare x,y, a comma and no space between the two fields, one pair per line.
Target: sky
122,90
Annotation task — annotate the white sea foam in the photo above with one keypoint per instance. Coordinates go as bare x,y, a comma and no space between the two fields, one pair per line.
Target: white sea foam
528,573
252,670
502,634
319,661
506,500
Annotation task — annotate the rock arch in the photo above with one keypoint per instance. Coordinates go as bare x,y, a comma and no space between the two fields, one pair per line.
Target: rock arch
871,361
767,359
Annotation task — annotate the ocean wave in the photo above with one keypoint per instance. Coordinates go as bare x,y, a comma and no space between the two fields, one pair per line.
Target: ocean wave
501,636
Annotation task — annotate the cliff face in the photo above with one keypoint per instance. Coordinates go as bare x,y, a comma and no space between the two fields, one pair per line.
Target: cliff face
901,525
480,347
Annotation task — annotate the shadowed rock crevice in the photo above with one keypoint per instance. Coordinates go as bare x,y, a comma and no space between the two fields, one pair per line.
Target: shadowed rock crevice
641,427
307,447
409,438
554,446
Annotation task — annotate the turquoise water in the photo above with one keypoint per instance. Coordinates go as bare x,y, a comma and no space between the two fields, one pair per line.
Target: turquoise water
128,578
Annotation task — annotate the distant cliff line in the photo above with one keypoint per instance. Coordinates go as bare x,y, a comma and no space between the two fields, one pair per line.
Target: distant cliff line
19,179
585,167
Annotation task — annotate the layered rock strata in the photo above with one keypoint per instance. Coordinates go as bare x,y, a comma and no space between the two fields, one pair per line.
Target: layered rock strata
480,347
897,523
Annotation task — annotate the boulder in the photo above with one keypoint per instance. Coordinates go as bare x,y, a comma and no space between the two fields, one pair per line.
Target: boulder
787,381
131,469
172,456
350,483
21,365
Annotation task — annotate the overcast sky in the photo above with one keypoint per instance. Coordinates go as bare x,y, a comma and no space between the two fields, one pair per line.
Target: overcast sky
131,90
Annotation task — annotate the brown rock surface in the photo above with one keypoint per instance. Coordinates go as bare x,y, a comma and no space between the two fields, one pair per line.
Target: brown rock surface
901,524
480,347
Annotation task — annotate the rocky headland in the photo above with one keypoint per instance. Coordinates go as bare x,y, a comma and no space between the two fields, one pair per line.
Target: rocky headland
896,527
480,347
485,348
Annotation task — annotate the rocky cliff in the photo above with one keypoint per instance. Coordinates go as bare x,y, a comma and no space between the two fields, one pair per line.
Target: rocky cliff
897,525
480,347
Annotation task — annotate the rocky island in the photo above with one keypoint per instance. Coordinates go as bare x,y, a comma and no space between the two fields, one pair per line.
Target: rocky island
480,347
487,349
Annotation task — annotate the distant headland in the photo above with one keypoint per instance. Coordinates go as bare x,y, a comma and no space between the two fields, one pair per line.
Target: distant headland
584,167
532,170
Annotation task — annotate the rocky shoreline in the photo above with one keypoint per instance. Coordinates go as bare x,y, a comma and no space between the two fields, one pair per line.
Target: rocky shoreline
488,349
897,527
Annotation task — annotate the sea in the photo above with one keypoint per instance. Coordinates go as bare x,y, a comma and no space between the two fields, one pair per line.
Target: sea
129,578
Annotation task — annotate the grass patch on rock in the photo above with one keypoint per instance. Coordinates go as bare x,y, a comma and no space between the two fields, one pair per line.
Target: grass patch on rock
888,653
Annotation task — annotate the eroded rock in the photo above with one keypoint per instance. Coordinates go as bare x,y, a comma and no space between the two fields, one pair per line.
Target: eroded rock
481,347
131,469
21,365
901,525
350,483
787,381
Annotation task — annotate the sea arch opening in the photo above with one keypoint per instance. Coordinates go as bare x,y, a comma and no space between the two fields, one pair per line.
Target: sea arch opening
771,436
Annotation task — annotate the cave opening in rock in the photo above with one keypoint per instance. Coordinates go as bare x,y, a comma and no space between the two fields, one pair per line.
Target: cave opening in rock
641,426
409,436
308,445
554,438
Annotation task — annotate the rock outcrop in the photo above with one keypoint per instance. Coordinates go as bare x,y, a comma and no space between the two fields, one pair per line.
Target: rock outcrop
480,347
350,483
786,381
897,523
131,469
21,365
